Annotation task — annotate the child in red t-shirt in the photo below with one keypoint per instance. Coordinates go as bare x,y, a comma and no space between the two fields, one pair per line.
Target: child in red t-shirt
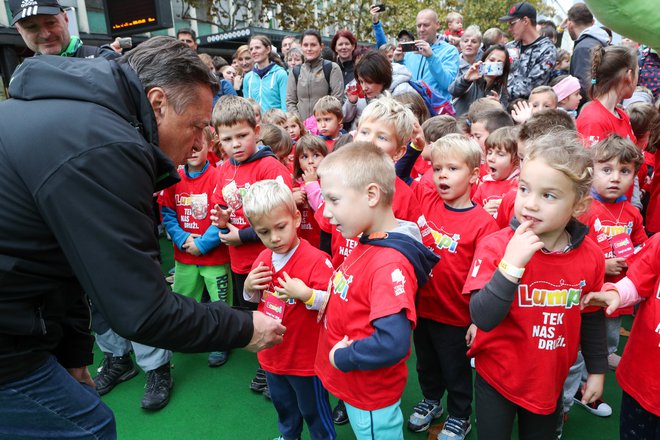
526,282
637,372
234,121
368,321
502,160
288,281
457,224
200,259
614,73
309,152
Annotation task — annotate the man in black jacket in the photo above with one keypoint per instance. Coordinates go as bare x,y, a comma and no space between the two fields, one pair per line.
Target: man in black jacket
83,146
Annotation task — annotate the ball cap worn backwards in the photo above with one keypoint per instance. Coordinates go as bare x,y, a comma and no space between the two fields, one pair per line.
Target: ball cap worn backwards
520,10
21,9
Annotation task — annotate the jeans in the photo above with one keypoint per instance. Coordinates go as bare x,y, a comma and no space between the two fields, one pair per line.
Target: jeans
50,404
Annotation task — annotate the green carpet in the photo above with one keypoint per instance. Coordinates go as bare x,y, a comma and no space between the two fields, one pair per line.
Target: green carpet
215,403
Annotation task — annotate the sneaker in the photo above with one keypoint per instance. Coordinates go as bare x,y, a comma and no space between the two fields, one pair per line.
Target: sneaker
170,279
597,408
339,414
113,371
613,361
266,393
258,384
423,414
218,358
455,429
157,389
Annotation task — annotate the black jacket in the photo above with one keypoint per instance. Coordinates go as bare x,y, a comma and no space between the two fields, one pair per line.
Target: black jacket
79,162
580,66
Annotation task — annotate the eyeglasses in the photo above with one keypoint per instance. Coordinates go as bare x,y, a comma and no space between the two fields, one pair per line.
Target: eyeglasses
512,23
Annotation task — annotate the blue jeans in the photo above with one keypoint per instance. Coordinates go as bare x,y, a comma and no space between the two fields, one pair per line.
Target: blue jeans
50,404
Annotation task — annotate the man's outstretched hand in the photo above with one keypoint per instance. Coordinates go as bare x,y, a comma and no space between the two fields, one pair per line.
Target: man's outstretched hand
267,332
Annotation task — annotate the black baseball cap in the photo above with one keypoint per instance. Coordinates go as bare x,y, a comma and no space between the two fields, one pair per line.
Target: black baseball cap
520,10
21,9
405,33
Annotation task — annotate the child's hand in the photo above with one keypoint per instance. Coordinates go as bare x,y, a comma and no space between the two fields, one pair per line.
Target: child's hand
522,246
491,206
418,136
593,388
470,335
472,73
521,112
231,238
190,246
259,278
609,299
309,175
219,217
341,344
300,197
614,266
293,288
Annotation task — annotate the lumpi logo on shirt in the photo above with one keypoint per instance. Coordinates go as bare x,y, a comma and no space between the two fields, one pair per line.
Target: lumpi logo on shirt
566,296
444,239
340,285
398,282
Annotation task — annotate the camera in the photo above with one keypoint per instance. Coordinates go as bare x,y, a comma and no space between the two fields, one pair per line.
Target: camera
381,8
491,69
408,46
126,43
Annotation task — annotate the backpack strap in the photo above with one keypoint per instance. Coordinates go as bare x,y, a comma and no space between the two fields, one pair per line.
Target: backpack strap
296,72
327,70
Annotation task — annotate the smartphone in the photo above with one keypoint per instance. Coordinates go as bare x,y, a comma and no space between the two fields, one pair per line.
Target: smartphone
491,69
126,43
408,46
381,8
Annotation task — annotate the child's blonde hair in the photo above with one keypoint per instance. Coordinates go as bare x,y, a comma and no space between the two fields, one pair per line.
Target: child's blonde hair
457,144
617,147
452,16
561,150
277,139
415,103
311,143
292,116
505,139
231,110
328,104
387,110
544,89
255,105
274,116
359,164
266,195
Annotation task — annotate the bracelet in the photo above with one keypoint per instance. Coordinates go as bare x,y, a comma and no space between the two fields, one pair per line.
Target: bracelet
516,272
310,301
414,147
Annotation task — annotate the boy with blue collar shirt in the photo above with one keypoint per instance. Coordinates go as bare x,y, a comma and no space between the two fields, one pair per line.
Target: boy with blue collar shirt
370,314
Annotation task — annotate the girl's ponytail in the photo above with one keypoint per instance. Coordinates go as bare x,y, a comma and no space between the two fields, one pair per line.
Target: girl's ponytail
608,67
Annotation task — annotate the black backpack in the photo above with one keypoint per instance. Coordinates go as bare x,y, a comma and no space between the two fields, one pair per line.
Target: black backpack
327,69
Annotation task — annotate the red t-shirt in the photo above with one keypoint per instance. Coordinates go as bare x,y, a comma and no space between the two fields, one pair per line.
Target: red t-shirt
605,220
420,167
234,181
595,123
372,283
506,210
309,228
405,207
494,190
527,356
296,354
191,200
637,372
455,236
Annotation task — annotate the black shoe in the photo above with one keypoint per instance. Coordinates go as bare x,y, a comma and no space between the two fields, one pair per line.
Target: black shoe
258,384
157,389
113,371
266,392
339,415
218,358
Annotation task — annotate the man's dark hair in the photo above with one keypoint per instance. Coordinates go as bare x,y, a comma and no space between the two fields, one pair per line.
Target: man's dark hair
189,31
168,63
580,15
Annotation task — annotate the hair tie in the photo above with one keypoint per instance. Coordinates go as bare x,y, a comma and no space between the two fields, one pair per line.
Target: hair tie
593,81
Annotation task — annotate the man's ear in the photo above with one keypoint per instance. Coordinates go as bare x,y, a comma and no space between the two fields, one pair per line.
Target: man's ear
158,101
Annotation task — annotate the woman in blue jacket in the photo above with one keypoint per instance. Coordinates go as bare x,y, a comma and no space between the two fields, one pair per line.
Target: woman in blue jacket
266,82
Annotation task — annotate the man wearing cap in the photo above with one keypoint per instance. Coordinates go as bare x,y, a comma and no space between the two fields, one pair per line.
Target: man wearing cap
533,55
43,25
84,145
